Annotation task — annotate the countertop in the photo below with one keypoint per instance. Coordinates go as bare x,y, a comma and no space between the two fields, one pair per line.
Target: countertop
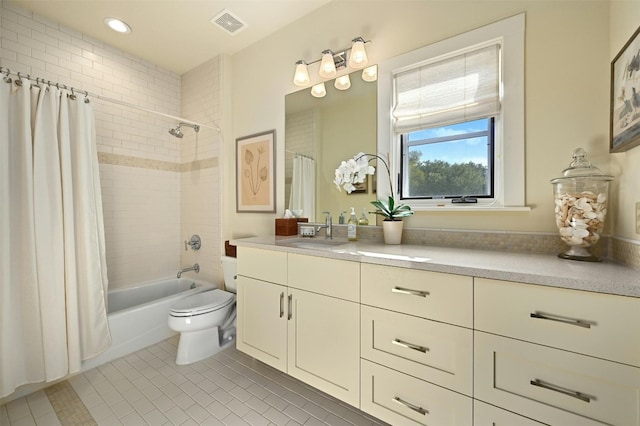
541,269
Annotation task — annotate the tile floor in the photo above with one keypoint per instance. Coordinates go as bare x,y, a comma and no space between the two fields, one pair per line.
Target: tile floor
147,388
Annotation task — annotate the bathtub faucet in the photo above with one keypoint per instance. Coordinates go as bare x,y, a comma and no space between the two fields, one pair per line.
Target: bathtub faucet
195,267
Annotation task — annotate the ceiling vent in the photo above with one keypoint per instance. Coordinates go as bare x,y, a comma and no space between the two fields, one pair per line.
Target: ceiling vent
229,23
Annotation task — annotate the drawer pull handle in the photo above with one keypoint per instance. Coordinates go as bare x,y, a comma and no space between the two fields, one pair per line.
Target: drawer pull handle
559,389
409,291
563,320
410,346
411,406
290,313
281,305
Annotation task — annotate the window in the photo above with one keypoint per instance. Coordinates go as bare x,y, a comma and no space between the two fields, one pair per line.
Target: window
456,126
449,161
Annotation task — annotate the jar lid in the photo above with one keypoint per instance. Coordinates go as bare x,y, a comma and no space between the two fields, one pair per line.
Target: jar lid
580,167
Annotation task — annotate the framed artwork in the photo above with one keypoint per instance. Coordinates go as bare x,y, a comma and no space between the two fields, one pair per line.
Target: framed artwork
256,173
361,188
625,96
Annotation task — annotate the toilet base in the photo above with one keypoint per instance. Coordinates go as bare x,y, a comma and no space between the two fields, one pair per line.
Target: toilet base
195,346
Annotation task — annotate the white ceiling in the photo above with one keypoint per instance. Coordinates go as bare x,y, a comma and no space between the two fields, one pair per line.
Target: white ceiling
174,34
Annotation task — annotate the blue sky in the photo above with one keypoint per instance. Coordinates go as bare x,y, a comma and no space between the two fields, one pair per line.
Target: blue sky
460,151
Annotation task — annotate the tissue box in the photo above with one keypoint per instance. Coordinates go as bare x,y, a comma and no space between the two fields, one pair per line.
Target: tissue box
289,226
229,249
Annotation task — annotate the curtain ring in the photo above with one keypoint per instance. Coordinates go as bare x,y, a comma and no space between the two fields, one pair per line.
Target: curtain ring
19,80
72,96
7,78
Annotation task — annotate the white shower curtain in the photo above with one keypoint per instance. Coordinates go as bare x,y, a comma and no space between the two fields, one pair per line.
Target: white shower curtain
303,187
53,275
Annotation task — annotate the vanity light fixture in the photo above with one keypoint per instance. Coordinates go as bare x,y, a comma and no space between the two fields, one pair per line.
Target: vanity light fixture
370,73
318,91
117,25
358,58
343,82
301,76
327,65
331,61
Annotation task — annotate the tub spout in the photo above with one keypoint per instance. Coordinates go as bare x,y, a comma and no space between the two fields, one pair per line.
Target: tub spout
195,267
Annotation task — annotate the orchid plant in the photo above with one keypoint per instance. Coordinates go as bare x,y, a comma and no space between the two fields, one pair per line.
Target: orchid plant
355,171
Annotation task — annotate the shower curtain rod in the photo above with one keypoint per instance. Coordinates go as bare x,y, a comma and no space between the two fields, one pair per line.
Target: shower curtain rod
297,153
7,72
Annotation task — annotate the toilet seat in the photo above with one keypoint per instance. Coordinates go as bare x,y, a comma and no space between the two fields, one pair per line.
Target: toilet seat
202,303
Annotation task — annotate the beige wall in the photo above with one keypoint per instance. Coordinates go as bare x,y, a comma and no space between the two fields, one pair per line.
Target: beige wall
625,18
567,88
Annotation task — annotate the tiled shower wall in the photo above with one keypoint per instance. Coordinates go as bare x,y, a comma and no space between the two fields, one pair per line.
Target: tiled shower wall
201,192
141,165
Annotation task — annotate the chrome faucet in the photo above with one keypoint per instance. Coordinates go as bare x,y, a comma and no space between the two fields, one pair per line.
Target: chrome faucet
195,267
328,225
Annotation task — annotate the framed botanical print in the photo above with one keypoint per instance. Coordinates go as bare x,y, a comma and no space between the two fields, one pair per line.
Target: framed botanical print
256,173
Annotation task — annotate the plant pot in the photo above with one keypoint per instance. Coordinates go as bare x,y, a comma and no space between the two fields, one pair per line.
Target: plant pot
392,230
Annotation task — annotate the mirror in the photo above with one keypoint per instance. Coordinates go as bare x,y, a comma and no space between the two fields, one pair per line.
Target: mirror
329,130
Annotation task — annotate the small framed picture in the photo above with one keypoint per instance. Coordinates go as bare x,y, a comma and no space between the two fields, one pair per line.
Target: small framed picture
256,173
625,96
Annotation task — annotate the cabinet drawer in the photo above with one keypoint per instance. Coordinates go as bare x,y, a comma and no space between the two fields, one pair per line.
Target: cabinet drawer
607,327
436,352
488,415
554,386
266,265
433,295
331,277
400,399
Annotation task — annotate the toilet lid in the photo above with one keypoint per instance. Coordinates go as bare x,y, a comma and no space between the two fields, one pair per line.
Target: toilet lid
202,303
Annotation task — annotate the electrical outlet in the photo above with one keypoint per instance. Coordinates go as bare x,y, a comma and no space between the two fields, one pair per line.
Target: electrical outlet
307,231
638,218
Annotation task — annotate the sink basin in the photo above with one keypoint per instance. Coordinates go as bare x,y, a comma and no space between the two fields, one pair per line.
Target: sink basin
313,243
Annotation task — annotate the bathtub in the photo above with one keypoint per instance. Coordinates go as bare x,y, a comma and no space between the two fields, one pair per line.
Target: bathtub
138,315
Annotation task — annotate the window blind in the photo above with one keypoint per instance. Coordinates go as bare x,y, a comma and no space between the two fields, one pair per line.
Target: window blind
461,88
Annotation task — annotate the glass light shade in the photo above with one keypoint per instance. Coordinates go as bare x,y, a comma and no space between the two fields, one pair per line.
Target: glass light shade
318,91
117,25
343,82
327,66
358,58
370,73
301,76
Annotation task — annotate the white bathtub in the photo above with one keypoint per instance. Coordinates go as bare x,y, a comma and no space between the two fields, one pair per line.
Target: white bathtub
138,315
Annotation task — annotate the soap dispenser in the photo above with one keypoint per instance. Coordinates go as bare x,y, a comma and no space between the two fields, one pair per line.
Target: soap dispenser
363,219
341,218
352,226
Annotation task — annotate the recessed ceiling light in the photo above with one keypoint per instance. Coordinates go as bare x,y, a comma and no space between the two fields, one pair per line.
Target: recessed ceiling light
117,25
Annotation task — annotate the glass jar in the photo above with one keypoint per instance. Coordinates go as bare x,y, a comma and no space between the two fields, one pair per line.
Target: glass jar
581,195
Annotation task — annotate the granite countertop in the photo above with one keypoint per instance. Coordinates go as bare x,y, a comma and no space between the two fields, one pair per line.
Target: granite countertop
541,269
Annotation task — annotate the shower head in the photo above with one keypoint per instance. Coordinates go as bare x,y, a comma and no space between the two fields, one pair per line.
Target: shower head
178,133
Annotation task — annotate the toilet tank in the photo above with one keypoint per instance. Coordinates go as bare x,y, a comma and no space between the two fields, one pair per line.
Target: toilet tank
229,271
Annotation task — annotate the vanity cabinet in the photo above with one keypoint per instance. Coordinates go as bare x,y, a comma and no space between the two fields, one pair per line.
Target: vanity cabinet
307,323
561,357
416,346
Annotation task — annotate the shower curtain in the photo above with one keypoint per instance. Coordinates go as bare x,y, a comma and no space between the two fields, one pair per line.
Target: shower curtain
303,187
53,276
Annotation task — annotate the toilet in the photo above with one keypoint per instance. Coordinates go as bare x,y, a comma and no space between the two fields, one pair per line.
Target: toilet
206,321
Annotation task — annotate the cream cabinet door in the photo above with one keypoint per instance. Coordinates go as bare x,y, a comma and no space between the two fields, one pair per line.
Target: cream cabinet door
324,344
400,399
553,386
488,415
262,321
